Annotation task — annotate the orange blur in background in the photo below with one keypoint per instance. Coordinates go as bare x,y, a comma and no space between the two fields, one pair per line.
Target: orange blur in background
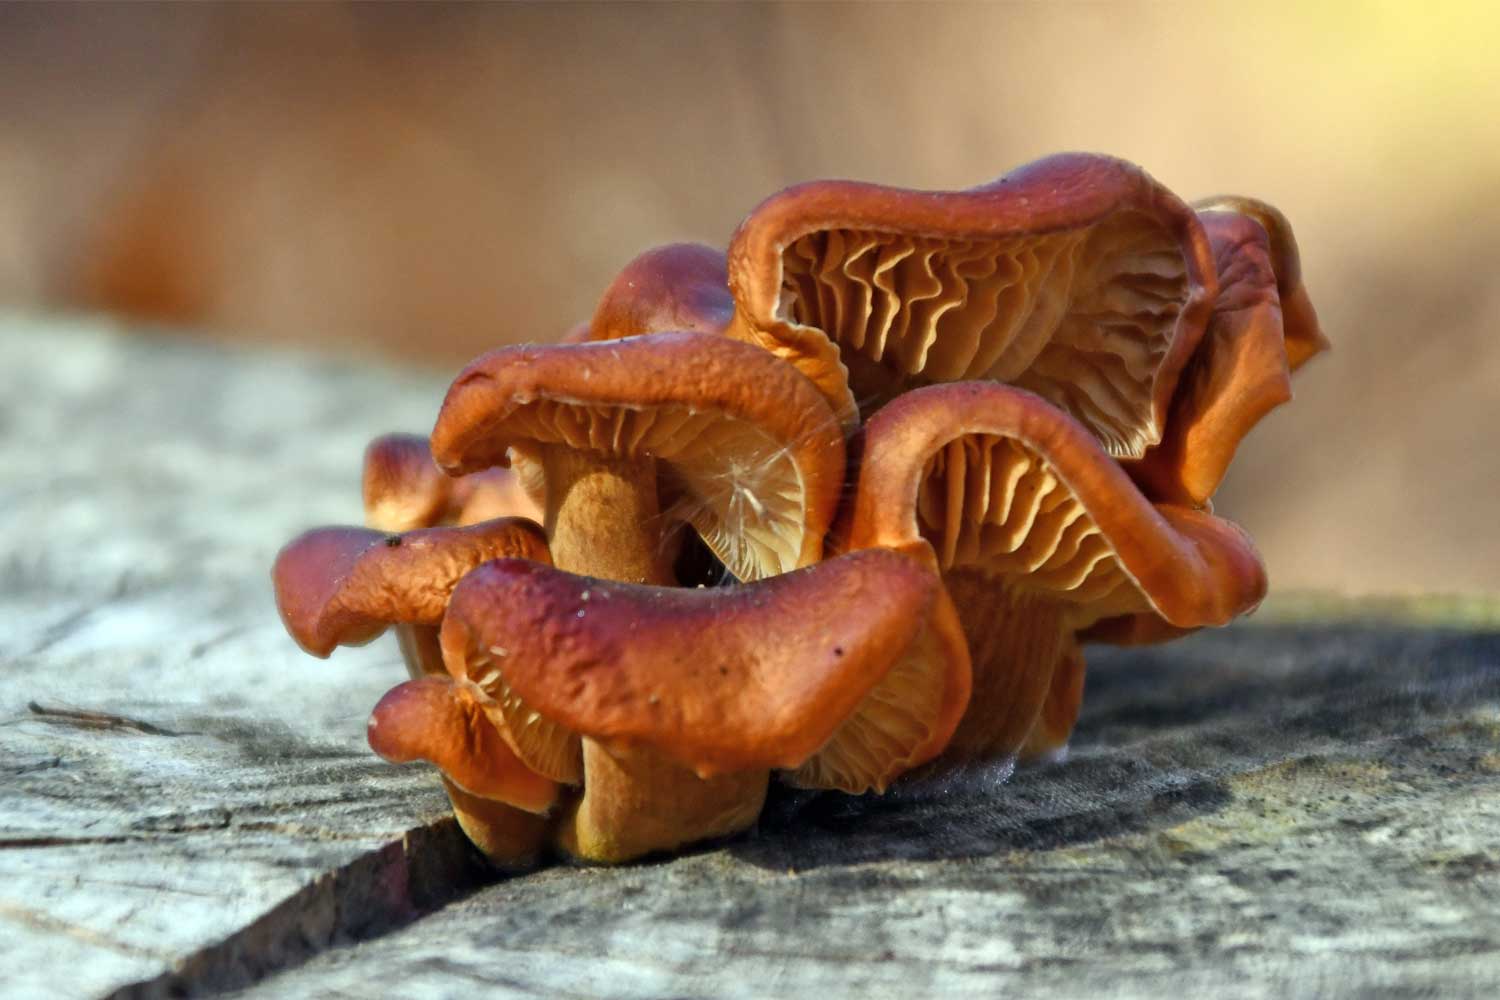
427,182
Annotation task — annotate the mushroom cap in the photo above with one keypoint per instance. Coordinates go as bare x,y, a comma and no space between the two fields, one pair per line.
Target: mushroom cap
1304,335
1078,277
404,489
343,586
682,286
988,477
907,719
753,454
1238,375
438,719
548,748
721,679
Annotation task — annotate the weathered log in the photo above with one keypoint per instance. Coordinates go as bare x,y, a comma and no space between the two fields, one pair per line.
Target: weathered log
186,804
171,769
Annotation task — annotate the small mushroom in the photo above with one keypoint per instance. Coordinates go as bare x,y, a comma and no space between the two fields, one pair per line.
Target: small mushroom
404,489
1077,277
682,286
742,447
688,698
739,444
445,722
1037,533
499,803
1262,328
345,586
1303,334
907,719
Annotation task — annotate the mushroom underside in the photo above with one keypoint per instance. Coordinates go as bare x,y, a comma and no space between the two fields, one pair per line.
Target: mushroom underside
739,487
1083,317
906,720
990,501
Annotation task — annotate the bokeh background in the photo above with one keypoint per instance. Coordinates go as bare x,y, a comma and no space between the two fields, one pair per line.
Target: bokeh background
422,183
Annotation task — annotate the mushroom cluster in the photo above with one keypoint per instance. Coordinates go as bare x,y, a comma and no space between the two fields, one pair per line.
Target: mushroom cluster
832,507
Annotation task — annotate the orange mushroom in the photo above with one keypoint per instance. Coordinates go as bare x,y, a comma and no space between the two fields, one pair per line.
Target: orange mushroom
1303,334
446,723
404,489
635,437
737,443
1263,327
1057,368
684,707
503,807
681,286
344,586
1038,533
1077,277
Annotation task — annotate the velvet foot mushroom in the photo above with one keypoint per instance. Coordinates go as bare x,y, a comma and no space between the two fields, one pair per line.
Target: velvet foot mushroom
635,439
1263,328
1077,277
681,286
345,586
676,703
1038,533
404,489
501,805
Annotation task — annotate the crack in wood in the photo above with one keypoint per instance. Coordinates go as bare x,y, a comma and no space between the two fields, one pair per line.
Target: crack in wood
376,893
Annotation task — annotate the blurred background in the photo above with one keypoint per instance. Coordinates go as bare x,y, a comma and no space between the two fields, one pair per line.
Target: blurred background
422,183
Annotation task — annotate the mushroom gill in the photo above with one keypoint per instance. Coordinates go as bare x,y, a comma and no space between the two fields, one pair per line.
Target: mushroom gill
1077,277
1038,534
635,435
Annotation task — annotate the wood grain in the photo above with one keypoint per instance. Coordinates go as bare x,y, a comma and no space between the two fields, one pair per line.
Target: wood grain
187,806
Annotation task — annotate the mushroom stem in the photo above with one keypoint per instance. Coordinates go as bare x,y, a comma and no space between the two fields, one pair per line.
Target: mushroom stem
604,520
603,516
1064,698
420,649
638,802
510,838
1016,640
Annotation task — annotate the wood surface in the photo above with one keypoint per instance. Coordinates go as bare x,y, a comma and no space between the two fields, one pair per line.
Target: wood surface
187,804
